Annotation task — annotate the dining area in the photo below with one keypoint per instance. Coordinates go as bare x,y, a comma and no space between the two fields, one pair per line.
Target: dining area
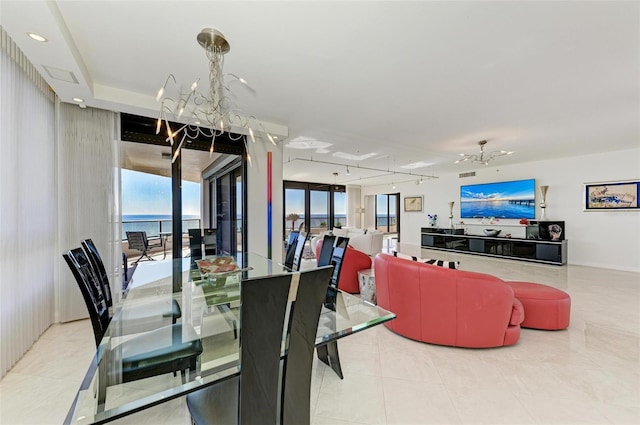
233,335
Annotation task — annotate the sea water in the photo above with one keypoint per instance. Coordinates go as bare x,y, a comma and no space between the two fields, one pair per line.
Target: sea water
497,209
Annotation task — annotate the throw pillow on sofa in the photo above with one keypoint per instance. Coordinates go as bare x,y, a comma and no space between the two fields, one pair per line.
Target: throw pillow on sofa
440,263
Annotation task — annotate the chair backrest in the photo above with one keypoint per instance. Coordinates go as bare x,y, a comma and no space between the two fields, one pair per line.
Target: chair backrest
210,241
291,249
91,291
339,250
336,259
137,240
297,257
98,268
324,259
298,364
293,237
263,312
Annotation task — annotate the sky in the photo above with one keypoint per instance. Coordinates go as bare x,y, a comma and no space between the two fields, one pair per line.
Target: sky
144,193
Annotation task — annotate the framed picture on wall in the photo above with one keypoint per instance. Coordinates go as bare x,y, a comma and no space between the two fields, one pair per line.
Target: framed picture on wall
610,196
413,203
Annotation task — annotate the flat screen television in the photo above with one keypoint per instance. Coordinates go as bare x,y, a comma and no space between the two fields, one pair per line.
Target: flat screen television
512,199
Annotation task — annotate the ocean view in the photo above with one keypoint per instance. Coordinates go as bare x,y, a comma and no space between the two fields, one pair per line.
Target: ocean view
153,224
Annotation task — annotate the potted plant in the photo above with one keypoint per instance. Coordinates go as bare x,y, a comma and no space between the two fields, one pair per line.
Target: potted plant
338,225
323,224
293,217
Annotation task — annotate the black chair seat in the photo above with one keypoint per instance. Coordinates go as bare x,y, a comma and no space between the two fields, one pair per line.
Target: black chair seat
219,402
160,351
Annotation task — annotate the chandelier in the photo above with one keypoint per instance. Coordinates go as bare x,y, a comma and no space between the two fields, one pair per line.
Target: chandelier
482,157
207,115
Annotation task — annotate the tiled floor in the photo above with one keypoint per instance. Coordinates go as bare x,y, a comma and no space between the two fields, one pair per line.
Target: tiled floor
588,374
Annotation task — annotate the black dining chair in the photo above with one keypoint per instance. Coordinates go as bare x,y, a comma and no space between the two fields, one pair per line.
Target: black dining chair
167,349
269,389
139,241
299,252
100,273
328,353
324,258
291,248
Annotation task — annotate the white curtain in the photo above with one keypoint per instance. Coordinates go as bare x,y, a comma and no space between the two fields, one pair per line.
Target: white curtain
354,195
88,187
27,205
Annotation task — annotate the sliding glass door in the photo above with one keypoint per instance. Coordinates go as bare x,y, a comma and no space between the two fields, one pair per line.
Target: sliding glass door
387,213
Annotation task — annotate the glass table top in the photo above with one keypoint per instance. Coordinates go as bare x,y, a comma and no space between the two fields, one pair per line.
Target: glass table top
210,312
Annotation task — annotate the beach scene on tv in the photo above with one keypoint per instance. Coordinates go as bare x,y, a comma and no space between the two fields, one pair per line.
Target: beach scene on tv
511,199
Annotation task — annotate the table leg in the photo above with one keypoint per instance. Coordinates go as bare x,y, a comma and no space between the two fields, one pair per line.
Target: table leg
328,354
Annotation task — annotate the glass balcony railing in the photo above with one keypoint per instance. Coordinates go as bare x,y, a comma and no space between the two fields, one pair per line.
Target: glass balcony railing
155,227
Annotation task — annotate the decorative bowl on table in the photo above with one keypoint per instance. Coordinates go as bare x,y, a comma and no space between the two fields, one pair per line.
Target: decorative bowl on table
216,265
492,232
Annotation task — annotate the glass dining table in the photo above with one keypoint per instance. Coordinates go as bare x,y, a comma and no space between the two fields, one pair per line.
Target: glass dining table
210,310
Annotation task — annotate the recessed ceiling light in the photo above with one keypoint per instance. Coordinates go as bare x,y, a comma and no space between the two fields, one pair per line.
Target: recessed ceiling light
77,99
37,37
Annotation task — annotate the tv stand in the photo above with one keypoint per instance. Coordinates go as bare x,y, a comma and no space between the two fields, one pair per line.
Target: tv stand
535,250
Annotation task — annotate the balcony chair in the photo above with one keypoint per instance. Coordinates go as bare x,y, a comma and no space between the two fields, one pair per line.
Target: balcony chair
210,241
167,349
139,242
253,396
100,273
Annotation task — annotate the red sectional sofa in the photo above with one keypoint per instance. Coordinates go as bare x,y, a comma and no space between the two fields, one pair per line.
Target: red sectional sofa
353,261
447,306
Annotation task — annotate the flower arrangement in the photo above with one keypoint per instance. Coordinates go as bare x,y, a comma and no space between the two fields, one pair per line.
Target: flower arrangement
432,219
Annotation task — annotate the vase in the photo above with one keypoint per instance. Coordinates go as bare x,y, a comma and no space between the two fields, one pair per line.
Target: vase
451,214
543,204
432,223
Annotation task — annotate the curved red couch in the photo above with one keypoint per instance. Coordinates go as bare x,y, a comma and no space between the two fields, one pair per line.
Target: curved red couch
447,306
352,262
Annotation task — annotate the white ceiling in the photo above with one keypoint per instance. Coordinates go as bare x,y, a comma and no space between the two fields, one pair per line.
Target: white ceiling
394,83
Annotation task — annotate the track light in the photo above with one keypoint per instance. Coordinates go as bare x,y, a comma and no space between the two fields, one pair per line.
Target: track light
348,172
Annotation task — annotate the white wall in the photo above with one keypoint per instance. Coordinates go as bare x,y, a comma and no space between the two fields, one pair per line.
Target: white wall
599,239
257,201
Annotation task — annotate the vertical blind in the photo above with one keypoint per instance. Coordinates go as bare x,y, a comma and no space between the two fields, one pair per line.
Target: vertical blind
27,205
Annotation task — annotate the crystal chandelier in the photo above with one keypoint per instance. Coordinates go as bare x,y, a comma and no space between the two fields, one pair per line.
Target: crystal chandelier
482,157
207,115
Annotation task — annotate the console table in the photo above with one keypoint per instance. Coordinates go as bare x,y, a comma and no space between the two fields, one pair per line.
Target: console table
540,251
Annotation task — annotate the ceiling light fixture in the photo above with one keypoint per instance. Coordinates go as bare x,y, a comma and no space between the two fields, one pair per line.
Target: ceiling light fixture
481,157
212,114
77,99
361,167
37,37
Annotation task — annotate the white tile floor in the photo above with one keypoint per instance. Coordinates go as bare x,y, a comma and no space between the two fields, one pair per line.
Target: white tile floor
588,374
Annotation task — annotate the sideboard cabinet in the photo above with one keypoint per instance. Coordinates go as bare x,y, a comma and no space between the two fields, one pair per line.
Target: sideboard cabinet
540,251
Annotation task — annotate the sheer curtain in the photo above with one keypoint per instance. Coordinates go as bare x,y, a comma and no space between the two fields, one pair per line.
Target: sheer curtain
88,184
27,205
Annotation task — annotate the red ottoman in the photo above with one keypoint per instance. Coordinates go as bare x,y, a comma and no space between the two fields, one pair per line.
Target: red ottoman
544,307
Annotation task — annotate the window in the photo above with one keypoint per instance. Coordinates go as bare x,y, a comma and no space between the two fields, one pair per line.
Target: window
318,207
